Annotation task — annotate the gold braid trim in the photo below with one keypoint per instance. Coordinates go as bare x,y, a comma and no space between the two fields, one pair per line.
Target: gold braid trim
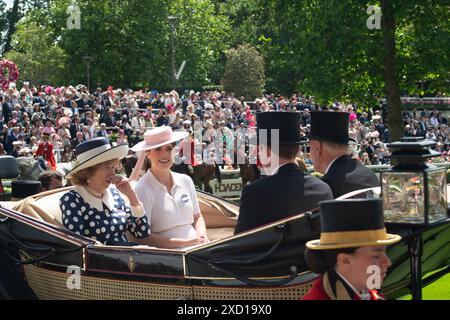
341,291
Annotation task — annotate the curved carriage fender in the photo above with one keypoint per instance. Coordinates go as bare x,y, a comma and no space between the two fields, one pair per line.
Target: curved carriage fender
12,283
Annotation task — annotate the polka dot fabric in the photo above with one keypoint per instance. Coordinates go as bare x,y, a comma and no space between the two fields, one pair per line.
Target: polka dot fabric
107,226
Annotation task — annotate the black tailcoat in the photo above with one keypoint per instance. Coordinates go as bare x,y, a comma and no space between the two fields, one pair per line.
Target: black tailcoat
347,174
286,193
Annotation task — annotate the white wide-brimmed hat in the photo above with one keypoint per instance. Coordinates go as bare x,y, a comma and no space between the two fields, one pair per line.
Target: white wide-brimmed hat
154,138
95,151
68,112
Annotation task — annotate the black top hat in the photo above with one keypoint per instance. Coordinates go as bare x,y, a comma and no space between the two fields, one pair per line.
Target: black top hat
288,124
21,189
352,224
330,126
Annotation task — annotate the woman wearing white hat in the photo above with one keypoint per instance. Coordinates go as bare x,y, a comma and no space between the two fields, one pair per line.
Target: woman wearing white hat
169,198
95,209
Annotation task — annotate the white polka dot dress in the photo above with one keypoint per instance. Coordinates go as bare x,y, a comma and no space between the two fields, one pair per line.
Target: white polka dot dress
106,226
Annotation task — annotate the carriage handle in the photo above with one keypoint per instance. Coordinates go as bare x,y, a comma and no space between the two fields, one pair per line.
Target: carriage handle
256,282
31,261
215,263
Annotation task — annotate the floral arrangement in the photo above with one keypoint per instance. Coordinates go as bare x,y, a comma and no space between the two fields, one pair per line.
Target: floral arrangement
11,74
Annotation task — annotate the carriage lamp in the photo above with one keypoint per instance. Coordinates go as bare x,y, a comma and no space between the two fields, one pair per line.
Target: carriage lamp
413,190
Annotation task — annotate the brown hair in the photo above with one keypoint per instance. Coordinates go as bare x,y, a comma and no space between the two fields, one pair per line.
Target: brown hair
81,177
288,151
46,177
320,261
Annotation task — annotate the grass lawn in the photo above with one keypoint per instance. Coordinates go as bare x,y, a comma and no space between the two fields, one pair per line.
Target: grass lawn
439,290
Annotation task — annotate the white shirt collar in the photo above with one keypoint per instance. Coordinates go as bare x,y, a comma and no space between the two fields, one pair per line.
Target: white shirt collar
154,181
97,203
362,296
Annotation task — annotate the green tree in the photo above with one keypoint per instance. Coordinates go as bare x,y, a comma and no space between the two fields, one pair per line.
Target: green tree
129,41
125,40
39,58
244,72
324,49
13,16
9,18
201,37
3,23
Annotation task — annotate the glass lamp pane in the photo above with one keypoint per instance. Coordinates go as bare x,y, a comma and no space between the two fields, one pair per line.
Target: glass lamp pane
403,197
437,190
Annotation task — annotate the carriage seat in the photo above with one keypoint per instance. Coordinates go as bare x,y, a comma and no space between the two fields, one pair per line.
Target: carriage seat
220,217
43,206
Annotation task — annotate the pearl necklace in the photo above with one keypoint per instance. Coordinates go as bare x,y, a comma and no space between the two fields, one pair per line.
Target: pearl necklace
94,193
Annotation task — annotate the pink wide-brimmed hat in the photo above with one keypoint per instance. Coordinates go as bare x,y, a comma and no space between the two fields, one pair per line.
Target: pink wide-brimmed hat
154,138
63,120
158,137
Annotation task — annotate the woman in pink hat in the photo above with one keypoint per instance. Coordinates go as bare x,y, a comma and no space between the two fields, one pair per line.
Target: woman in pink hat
169,198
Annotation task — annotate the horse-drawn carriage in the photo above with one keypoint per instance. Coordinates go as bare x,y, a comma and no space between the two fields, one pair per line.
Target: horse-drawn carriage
263,263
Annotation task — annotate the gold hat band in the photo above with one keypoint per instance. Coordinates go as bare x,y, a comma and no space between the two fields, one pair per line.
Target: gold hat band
329,238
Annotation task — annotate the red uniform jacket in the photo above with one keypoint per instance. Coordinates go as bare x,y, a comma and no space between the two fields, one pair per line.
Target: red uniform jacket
317,292
45,149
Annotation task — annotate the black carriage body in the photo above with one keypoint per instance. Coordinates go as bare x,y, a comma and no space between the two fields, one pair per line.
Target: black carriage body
267,257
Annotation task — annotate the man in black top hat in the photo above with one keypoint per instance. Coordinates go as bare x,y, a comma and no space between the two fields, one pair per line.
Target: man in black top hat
287,191
331,154
352,242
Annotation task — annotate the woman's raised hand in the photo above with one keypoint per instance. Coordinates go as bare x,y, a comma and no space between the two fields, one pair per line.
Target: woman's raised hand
123,185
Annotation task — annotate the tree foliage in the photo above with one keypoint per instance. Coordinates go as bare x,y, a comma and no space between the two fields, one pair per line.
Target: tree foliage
201,37
128,42
3,22
38,57
319,47
244,72
324,48
10,17
123,39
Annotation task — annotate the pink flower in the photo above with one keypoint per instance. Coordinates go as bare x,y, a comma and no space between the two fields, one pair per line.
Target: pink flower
13,73
48,90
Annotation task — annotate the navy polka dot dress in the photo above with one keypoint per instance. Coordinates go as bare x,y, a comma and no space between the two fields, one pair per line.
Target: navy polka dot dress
107,226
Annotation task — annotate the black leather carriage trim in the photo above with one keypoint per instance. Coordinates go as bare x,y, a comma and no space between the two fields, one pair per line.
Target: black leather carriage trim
148,264
250,259
56,231
225,265
50,251
259,283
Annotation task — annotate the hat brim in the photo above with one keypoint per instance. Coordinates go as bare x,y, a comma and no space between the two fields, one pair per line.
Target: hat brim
117,152
143,146
390,239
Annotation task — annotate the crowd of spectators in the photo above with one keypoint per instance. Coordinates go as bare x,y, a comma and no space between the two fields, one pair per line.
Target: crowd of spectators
70,115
